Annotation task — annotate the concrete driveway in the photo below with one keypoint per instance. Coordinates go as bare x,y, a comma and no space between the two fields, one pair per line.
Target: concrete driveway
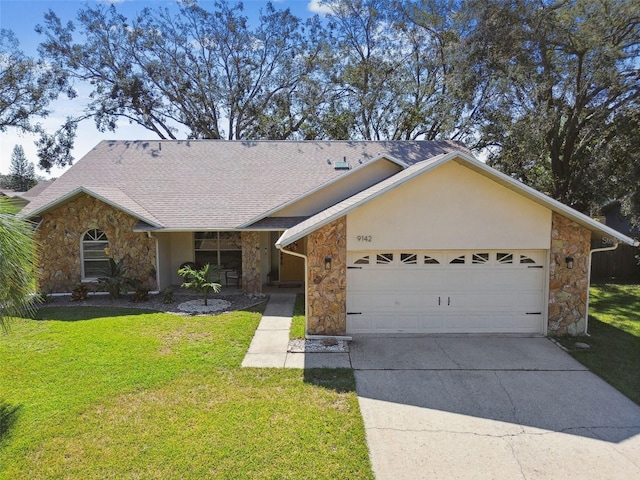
490,407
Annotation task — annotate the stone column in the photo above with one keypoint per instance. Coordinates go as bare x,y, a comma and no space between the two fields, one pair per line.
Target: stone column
327,289
251,263
568,288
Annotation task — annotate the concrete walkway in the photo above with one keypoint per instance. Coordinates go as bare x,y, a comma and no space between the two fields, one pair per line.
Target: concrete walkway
269,345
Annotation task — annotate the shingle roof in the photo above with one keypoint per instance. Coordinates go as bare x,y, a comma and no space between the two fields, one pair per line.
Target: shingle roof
10,193
214,184
276,223
120,199
40,187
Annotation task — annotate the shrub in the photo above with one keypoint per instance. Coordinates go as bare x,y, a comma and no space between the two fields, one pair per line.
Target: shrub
167,296
200,280
80,292
140,290
114,278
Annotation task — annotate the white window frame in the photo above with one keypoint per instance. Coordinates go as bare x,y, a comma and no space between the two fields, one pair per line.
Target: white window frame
217,250
94,241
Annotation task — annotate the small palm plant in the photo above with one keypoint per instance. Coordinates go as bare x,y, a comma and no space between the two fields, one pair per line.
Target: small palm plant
200,279
114,278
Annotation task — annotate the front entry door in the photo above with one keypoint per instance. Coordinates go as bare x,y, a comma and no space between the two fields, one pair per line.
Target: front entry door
292,267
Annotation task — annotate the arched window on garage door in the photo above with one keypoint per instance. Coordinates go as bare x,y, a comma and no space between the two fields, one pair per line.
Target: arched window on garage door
95,259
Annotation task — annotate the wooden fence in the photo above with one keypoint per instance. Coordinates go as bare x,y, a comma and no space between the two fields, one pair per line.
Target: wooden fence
619,263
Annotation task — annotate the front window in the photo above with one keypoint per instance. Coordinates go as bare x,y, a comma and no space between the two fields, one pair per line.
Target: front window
95,259
219,248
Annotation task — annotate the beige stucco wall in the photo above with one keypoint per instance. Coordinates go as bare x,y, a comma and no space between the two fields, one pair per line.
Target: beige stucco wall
568,288
175,248
346,185
164,260
450,207
61,232
327,289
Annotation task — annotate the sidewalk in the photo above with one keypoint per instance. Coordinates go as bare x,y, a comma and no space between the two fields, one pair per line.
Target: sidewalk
269,346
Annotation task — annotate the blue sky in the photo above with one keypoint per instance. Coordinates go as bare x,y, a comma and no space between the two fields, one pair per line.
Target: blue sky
21,16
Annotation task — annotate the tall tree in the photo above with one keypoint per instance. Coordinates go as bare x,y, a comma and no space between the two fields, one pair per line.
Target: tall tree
200,73
392,72
564,80
17,264
27,86
21,171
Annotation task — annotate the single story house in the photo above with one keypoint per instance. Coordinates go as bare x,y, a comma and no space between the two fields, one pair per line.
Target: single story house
387,237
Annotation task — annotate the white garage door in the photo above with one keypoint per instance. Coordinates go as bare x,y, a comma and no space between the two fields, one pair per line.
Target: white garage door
446,292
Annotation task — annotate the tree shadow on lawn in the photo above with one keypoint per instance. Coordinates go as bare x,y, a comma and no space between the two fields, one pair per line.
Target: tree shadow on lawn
616,299
341,380
8,416
614,355
75,314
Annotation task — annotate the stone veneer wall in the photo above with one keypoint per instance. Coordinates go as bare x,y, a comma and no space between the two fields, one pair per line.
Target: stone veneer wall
251,263
327,289
60,235
568,288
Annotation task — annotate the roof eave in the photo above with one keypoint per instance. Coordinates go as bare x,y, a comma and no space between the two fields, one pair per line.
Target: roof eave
487,171
74,193
339,178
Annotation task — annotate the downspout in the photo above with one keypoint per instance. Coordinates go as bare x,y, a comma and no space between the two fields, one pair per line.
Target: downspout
150,235
306,286
591,252
306,300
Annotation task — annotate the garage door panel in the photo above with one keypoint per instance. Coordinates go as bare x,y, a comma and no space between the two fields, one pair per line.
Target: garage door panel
468,323
480,301
490,291
391,301
489,280
396,279
443,278
395,323
385,323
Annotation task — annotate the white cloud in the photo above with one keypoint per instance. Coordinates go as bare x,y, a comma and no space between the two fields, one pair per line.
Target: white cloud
320,7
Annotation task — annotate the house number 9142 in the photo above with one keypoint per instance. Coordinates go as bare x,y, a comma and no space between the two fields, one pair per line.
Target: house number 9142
364,238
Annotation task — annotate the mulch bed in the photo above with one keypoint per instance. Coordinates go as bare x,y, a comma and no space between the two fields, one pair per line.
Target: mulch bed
237,301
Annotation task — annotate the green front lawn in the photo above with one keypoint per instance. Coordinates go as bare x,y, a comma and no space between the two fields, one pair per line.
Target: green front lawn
614,329
297,322
118,393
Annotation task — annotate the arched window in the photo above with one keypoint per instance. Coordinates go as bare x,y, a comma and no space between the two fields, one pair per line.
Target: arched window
95,259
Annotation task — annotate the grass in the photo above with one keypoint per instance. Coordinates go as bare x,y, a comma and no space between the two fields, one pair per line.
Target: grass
297,324
92,393
614,329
